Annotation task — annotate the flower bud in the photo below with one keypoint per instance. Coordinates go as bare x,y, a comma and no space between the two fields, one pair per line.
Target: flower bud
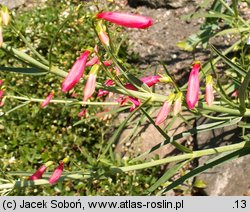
5,15
91,82
177,104
163,113
209,90
102,34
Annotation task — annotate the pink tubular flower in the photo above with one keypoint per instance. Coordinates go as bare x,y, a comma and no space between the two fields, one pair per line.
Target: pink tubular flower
56,174
89,87
1,82
91,83
163,113
151,80
135,103
102,34
193,90
235,93
76,72
108,82
47,100
58,171
209,90
92,61
82,113
107,62
126,20
104,38
1,93
177,104
39,173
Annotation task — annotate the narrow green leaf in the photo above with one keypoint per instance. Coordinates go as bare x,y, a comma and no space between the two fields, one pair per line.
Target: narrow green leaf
17,107
232,31
167,175
29,71
235,67
242,92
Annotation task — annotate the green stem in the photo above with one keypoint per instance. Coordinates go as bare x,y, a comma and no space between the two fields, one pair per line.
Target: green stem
62,101
195,154
28,59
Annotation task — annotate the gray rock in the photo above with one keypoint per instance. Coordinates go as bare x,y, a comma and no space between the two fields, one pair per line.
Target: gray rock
148,136
230,178
159,3
13,3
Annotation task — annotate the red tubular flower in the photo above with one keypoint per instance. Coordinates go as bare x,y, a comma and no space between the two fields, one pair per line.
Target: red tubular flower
1,82
126,20
39,173
47,100
193,90
76,72
163,113
209,90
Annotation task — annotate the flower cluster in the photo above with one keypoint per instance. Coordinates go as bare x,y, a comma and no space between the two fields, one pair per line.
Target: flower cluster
192,95
78,68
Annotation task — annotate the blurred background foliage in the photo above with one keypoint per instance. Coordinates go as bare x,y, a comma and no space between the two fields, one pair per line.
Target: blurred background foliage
31,136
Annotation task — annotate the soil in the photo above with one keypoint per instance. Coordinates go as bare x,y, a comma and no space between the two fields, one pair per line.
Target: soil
158,43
